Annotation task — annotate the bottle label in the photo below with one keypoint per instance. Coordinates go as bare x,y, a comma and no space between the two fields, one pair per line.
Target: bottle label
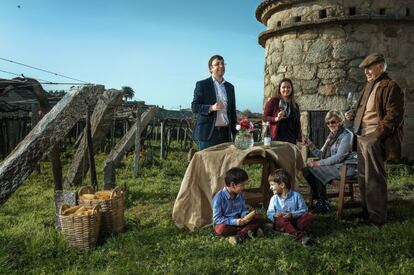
267,141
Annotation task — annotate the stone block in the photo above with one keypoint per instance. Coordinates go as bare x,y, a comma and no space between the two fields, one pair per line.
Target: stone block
272,69
361,32
355,63
109,175
334,11
276,59
333,33
268,60
344,50
356,74
277,45
282,69
305,72
405,53
337,64
292,53
275,79
319,51
345,86
63,197
327,90
310,86
320,102
268,91
331,73
309,34
289,37
391,31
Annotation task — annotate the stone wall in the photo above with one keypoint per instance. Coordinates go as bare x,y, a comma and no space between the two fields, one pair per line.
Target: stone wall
321,55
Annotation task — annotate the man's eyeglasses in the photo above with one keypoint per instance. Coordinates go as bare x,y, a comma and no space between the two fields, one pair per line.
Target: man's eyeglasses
331,122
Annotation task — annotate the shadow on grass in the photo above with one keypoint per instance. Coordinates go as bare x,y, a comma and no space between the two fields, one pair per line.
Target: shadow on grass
324,225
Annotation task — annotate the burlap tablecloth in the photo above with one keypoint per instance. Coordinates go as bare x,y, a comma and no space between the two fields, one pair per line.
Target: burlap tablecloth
205,176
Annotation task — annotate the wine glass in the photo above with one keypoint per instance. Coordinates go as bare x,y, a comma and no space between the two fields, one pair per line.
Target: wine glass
351,100
283,106
305,138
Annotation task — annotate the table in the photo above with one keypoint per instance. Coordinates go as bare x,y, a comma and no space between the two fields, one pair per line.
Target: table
205,176
263,193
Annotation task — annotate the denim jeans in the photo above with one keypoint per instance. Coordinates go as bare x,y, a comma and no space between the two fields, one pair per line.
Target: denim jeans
220,135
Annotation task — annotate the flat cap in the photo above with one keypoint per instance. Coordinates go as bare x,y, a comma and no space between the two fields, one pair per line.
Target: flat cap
373,58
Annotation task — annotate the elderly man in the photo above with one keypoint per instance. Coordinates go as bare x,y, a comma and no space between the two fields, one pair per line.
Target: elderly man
378,124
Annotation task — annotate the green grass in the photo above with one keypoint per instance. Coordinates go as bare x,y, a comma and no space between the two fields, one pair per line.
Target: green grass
151,244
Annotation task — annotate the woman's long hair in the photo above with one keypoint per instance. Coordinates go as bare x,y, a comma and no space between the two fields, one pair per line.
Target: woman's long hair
291,99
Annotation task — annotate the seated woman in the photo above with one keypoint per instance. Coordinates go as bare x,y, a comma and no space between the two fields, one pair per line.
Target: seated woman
282,113
336,149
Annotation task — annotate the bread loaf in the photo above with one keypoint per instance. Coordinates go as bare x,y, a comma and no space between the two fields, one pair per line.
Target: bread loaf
71,210
249,216
88,197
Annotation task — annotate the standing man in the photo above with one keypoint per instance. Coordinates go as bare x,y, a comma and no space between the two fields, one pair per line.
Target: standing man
214,104
378,124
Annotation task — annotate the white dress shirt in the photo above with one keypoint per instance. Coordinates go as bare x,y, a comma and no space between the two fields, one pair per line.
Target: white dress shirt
222,119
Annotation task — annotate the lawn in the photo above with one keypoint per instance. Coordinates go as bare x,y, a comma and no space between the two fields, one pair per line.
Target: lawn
151,244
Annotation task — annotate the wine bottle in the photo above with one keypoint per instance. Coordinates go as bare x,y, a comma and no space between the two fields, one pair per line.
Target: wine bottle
267,139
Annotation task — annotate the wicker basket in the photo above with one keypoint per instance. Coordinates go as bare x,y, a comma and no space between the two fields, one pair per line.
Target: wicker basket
112,208
81,232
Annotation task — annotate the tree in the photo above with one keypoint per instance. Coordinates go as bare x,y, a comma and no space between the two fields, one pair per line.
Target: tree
128,92
246,113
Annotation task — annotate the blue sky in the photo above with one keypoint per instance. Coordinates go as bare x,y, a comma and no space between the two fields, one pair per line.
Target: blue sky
158,47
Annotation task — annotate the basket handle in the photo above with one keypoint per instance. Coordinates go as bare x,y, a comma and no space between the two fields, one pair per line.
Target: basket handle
116,191
96,209
85,190
63,208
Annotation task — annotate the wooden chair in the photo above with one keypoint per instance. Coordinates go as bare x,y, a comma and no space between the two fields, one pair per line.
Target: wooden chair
344,182
341,189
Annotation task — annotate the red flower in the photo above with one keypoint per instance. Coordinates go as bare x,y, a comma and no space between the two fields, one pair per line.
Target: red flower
246,125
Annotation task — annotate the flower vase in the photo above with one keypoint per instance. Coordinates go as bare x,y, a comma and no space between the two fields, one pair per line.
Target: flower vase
244,140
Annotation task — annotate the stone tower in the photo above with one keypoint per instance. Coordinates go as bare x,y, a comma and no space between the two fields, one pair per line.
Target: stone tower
319,45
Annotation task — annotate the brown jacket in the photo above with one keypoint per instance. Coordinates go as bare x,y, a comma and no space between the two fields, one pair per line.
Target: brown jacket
389,103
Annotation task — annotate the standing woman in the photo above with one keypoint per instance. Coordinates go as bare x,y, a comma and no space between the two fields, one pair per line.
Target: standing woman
282,113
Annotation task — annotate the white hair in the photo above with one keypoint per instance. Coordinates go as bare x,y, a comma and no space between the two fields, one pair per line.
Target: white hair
385,65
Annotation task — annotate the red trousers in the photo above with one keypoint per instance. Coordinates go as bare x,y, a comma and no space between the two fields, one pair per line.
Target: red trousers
229,230
295,227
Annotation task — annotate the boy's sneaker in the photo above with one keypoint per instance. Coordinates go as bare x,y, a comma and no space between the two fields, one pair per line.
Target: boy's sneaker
250,233
259,233
233,240
305,241
268,228
288,235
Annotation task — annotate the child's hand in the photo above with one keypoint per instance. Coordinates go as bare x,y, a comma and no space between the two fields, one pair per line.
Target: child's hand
288,216
240,222
279,214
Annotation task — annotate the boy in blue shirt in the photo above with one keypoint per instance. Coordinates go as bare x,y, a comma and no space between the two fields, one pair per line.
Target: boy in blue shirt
287,209
229,209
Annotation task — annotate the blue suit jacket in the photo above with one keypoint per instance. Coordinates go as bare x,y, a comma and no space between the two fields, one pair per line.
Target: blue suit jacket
204,97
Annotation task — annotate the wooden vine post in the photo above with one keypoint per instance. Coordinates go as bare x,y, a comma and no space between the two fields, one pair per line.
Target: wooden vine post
94,181
137,143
